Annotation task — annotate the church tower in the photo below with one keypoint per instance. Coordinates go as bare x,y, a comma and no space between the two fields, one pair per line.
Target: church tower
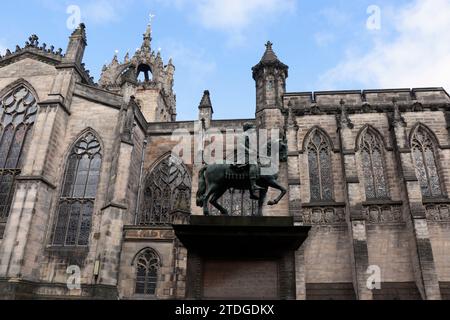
144,76
270,75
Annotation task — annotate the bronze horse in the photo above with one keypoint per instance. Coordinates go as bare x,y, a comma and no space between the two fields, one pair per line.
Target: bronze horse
215,180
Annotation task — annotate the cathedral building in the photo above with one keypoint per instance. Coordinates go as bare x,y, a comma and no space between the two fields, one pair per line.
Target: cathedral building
94,204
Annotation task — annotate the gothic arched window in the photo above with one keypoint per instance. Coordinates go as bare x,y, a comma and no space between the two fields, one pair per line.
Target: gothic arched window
425,161
372,157
147,268
167,189
18,111
320,166
76,205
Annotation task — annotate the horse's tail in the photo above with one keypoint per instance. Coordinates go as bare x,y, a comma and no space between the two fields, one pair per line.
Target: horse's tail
201,186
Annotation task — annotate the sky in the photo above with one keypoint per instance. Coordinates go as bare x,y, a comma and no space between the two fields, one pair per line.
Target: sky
328,44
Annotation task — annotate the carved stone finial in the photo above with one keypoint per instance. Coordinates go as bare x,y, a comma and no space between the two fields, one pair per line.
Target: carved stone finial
292,122
344,119
398,119
33,40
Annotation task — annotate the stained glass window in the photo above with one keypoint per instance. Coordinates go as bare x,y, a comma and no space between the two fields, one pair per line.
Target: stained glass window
147,267
372,156
76,205
167,189
238,203
18,111
424,155
320,166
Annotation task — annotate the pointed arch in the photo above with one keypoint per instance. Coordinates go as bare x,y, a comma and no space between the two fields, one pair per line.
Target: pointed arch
371,147
374,132
73,221
424,148
148,264
18,83
79,136
155,252
323,132
18,111
422,127
319,148
167,188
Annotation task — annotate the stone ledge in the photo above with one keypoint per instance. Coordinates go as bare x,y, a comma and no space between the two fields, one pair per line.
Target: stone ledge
241,235
17,289
36,178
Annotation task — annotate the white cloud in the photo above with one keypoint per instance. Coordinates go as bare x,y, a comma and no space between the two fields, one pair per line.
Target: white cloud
103,11
418,55
194,63
233,17
92,11
324,39
334,16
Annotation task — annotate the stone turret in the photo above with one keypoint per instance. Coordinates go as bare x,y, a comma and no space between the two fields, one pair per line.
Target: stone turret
270,75
206,109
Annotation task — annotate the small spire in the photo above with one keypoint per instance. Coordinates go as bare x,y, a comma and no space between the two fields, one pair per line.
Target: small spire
206,100
269,55
115,60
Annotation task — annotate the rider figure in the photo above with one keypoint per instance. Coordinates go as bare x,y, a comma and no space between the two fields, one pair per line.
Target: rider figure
251,153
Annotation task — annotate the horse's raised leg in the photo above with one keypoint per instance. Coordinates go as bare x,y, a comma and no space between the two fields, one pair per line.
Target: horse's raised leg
274,184
215,198
262,199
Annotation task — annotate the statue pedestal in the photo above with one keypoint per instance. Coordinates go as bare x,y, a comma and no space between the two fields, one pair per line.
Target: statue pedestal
241,257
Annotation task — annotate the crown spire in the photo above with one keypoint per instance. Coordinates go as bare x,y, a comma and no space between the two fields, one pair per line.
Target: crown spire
148,34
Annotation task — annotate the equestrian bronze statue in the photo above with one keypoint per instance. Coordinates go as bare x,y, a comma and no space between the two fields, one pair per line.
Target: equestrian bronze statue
216,179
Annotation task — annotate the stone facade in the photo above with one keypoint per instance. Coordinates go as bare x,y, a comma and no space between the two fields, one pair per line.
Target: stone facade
368,171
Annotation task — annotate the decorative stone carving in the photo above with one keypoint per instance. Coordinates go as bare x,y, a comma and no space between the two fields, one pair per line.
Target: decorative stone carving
323,216
379,214
343,118
438,212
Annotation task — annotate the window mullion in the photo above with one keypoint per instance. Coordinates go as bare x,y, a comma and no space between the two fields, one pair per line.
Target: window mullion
319,172
11,144
22,144
374,183
87,177
425,163
72,187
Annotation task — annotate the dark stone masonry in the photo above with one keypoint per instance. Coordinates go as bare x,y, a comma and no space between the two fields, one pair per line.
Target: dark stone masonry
90,194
